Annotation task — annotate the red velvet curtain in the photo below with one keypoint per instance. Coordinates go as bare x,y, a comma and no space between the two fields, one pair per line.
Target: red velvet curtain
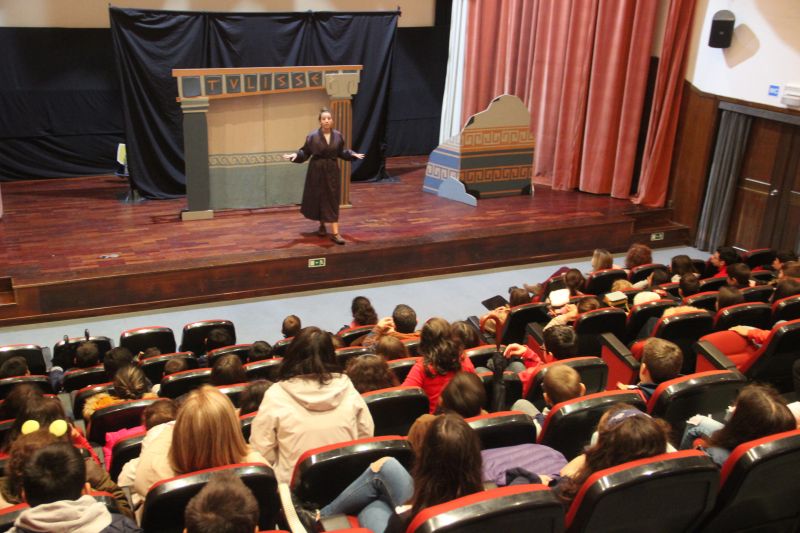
581,68
657,159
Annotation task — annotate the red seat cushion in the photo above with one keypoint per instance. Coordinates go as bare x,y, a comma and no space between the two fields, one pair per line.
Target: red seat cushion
735,347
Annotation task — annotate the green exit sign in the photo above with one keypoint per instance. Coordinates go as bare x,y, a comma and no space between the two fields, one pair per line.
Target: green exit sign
316,263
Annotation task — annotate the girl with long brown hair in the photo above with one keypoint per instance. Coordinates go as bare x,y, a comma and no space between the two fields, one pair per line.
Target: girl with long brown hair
386,497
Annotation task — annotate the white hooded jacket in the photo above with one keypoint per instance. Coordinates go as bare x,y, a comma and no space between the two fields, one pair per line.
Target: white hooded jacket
299,414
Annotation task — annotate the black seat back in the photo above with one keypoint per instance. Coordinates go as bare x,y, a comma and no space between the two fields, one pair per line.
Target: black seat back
504,428
195,334
590,325
153,367
139,339
180,383
32,353
394,410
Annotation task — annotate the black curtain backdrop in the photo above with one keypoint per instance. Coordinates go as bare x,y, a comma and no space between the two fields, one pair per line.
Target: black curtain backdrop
60,103
149,44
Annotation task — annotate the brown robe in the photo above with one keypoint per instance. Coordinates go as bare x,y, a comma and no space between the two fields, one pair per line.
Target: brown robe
322,189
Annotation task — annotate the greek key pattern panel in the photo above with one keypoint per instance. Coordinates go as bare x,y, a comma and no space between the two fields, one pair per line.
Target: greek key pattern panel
496,137
440,172
492,175
244,160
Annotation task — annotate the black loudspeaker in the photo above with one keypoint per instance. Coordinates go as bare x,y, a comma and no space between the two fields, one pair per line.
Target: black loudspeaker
721,29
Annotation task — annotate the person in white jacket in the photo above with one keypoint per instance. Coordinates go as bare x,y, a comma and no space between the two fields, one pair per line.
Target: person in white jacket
312,405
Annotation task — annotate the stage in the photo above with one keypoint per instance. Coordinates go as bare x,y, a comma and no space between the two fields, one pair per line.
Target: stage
71,249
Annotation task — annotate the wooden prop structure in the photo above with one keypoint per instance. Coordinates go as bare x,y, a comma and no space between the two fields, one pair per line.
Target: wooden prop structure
233,146
491,157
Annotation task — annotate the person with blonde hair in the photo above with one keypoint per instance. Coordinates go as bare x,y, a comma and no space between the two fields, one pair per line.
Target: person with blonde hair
206,434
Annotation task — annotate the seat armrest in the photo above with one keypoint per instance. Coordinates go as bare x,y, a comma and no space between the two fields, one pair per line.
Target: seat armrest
622,366
475,322
536,333
289,512
710,358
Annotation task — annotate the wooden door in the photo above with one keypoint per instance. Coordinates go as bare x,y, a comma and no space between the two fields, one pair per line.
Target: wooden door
766,212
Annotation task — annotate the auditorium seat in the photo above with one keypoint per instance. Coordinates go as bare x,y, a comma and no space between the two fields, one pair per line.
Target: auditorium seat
233,391
280,347
757,315
640,314
79,397
242,351
401,367
78,378
672,289
343,355
760,487
683,329
771,363
786,309
42,382
123,451
480,355
666,493
247,424
32,353
510,509
348,335
708,393
569,425
600,281
139,339
759,293
513,389
123,415
623,367
763,276
166,499
504,428
642,272
703,300
264,369
593,372
590,325
412,347
323,473
64,350
394,410
153,367
712,284
180,383
759,257
194,335
513,329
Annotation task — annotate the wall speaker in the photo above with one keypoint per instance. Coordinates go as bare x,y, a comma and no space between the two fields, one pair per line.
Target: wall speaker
721,29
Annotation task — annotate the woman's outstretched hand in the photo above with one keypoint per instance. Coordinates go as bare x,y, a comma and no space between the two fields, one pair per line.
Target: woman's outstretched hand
358,156
293,156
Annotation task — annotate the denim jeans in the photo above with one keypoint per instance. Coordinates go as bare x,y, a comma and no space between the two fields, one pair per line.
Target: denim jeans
374,495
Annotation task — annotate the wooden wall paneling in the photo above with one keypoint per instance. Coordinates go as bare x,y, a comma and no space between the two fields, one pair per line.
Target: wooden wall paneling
787,228
691,160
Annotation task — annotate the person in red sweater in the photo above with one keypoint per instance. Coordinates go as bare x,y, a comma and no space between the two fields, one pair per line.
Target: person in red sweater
441,359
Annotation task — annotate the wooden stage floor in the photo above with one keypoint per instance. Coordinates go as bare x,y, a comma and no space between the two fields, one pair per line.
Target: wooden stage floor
70,248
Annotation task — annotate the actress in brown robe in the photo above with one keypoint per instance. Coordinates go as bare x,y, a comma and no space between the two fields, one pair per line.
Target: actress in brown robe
322,189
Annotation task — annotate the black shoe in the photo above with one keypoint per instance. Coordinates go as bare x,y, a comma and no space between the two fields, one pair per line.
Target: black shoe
321,231
335,237
296,511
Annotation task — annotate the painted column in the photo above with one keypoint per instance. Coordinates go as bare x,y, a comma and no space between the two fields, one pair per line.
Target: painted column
341,88
195,149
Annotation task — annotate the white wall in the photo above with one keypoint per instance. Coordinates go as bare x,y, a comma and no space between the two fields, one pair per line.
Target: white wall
765,50
94,13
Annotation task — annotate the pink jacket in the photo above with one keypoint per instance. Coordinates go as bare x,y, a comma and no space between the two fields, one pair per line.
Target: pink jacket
299,414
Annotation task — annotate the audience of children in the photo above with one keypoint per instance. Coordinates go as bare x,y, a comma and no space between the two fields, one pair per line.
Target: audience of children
661,361
759,411
228,370
370,372
441,359
223,505
54,485
129,382
312,405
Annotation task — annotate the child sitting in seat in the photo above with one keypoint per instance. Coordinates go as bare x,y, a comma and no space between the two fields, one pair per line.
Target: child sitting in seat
561,383
661,361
